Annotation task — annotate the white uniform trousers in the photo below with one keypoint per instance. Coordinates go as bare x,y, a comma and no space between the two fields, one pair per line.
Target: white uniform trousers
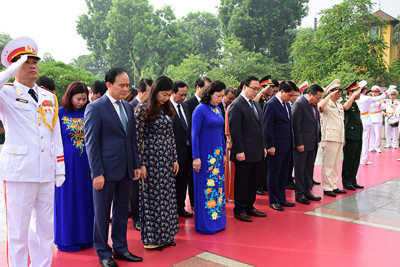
365,145
392,131
331,152
29,223
375,139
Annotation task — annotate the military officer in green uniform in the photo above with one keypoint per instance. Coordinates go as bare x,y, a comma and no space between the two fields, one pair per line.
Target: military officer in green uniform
353,136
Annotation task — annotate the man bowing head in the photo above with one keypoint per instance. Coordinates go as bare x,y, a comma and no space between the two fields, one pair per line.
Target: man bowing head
111,145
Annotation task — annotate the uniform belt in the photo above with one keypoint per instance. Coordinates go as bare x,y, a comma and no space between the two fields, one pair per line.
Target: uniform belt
376,112
364,113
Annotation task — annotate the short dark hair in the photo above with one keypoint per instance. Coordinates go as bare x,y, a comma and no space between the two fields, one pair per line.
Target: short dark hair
143,83
161,83
46,82
74,89
229,90
177,85
247,80
215,86
275,82
201,82
99,87
112,74
287,86
314,89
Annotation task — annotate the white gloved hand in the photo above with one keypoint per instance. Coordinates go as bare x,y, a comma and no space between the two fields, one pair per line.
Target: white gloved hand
14,67
60,180
391,89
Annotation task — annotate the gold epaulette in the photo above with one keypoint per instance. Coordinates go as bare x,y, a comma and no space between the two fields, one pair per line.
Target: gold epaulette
10,84
48,90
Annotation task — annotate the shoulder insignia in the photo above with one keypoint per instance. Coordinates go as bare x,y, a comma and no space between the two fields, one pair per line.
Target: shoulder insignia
47,89
10,84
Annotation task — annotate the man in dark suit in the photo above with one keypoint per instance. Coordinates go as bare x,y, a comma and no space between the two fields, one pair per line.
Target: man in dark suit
226,100
143,92
200,85
248,148
182,123
278,131
307,135
111,145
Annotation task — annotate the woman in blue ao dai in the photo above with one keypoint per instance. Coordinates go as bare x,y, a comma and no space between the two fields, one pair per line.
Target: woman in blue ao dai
208,146
73,207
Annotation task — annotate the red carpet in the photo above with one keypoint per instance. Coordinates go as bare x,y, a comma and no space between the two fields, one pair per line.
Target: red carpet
288,238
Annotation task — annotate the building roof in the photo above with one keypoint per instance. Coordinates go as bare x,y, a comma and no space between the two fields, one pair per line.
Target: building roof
382,15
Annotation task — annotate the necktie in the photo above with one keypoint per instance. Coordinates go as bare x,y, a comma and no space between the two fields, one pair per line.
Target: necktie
33,94
122,115
313,109
254,108
184,123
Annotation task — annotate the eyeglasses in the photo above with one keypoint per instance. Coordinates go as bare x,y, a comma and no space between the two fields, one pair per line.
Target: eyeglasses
255,89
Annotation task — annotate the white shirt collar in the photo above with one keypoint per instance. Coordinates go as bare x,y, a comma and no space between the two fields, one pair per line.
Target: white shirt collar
113,101
280,100
198,98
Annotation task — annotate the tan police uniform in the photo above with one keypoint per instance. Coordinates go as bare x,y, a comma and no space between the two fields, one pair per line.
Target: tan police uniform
332,130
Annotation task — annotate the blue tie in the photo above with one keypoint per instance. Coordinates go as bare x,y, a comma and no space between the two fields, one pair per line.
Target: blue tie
122,115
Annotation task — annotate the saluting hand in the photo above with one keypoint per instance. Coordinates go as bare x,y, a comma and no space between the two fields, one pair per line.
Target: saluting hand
98,182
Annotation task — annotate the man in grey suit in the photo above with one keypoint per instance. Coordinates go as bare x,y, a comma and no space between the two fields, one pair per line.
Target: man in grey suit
307,135
111,145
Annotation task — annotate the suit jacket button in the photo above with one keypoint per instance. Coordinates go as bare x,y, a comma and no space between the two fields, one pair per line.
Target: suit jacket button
42,150
352,128
14,153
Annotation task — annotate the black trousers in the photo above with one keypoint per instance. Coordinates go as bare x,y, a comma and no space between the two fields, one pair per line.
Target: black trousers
118,192
181,184
304,171
351,161
247,178
134,202
278,168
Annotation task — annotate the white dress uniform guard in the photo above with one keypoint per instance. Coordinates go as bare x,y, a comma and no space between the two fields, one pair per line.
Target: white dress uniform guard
391,106
364,104
32,156
376,109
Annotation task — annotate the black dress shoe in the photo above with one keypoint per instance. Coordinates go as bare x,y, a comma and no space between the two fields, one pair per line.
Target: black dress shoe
256,213
338,191
330,193
358,186
303,200
172,244
276,206
109,262
137,226
127,256
350,187
260,192
184,213
315,182
243,217
159,248
287,204
290,187
312,197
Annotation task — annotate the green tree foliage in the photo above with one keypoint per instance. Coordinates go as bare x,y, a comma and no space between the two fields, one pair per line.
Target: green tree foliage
189,71
47,57
88,63
5,38
64,74
394,72
260,25
396,35
169,44
204,31
342,39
